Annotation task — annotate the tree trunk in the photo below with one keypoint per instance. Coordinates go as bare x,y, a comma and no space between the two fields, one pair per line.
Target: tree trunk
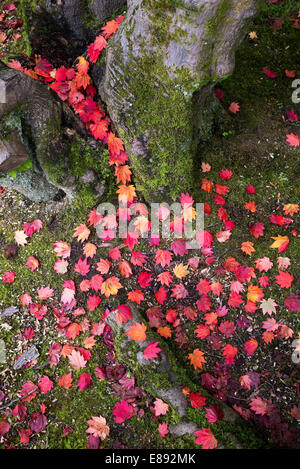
158,80
82,15
34,125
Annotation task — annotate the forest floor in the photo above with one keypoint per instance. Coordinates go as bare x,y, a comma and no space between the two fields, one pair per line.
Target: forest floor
254,148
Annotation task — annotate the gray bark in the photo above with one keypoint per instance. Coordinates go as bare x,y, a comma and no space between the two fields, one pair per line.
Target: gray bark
77,14
12,153
8,312
41,115
31,354
33,125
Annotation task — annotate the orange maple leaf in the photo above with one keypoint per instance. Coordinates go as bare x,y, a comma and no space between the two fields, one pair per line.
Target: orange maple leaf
115,144
73,330
137,332
164,332
255,293
247,248
137,296
65,381
111,286
82,80
90,250
125,269
110,28
206,185
197,359
123,174
250,206
83,65
291,209
81,233
126,193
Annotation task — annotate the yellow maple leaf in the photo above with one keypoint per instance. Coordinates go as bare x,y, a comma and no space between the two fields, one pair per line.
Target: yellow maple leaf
188,213
253,35
142,224
254,293
83,65
126,193
181,270
89,250
111,286
291,209
279,241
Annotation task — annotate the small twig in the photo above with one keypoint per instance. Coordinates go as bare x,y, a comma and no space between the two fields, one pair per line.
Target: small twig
18,399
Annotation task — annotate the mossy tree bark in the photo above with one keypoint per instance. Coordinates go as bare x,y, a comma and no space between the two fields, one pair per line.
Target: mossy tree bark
36,126
80,16
158,80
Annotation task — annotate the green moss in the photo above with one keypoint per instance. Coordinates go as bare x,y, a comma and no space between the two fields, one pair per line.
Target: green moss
213,24
238,434
11,122
148,376
163,105
89,19
26,9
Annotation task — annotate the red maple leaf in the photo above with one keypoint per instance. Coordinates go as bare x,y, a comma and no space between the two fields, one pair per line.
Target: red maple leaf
45,384
161,295
259,406
293,140
84,381
292,303
229,352
206,438
284,279
82,267
122,411
123,314
234,108
257,229
250,346
151,351
197,400
93,302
